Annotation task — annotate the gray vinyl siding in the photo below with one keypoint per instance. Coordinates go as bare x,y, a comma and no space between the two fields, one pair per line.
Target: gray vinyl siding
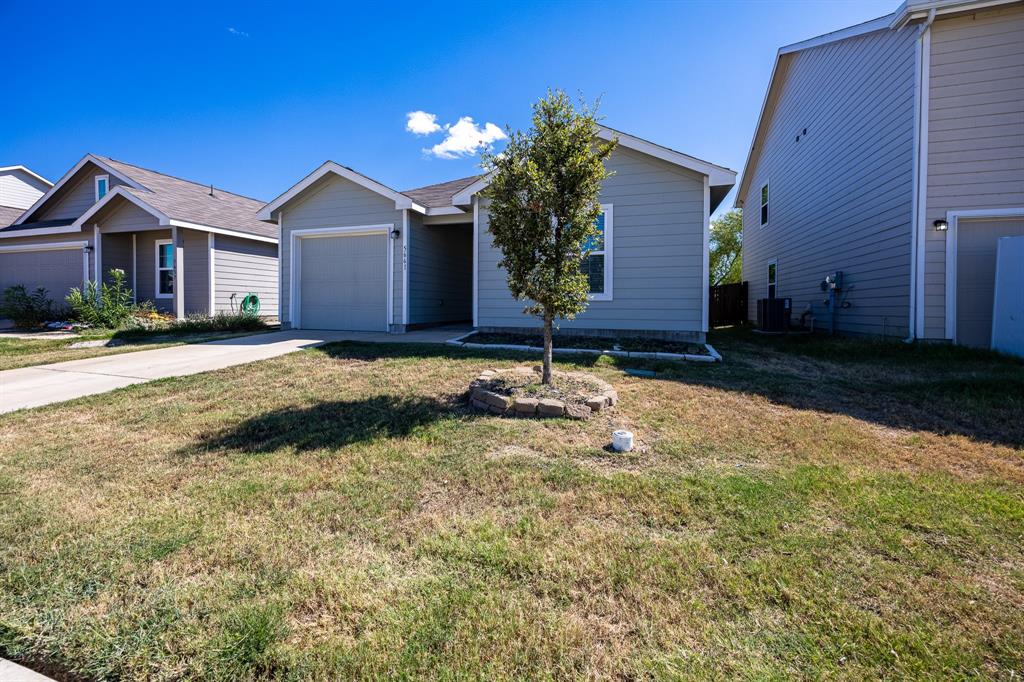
76,196
197,272
975,131
657,246
840,198
145,258
440,272
336,202
127,217
117,253
242,266
19,190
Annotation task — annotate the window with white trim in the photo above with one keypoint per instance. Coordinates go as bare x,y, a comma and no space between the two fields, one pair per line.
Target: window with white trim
773,277
764,204
597,263
102,184
164,268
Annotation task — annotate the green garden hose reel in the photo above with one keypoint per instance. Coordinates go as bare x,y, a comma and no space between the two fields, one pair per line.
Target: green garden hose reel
250,304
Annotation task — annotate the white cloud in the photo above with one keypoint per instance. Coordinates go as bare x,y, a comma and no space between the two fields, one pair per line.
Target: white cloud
234,31
466,138
421,123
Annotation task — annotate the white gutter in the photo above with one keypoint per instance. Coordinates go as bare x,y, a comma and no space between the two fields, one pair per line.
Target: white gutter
919,200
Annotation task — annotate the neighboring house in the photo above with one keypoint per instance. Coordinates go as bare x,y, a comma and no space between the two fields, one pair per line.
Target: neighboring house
872,140
356,254
19,189
188,248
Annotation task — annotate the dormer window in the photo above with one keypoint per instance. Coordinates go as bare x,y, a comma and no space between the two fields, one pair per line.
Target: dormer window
102,184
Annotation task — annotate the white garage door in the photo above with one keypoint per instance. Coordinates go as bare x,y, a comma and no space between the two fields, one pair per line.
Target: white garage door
343,282
55,270
975,278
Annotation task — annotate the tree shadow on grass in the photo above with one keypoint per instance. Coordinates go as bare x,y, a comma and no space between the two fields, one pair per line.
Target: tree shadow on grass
934,388
329,425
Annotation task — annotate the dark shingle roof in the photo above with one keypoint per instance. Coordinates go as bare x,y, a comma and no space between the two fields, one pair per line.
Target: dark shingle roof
439,195
8,214
191,202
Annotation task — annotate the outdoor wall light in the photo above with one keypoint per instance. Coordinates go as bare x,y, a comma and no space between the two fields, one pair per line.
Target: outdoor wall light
941,225
87,248
396,233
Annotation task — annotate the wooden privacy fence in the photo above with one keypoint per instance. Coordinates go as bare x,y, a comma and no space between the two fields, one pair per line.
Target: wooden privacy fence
728,304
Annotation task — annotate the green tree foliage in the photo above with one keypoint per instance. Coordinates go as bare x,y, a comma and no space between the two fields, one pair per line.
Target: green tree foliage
103,305
727,248
27,310
544,208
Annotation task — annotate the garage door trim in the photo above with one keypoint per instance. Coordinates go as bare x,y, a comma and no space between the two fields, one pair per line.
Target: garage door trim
54,246
295,264
951,254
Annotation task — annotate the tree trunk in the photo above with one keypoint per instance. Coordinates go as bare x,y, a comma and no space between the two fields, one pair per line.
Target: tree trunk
546,377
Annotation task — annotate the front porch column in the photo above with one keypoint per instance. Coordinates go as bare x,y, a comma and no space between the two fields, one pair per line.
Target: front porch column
178,240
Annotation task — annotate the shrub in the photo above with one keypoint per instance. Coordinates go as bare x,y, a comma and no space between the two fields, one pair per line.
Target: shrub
220,322
103,305
26,310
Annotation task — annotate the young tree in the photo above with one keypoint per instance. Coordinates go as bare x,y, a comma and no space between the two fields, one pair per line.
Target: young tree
727,248
544,208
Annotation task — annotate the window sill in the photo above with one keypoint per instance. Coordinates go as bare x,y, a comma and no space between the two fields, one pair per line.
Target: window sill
599,297
164,296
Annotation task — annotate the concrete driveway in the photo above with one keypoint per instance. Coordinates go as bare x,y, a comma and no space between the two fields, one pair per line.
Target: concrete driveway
46,384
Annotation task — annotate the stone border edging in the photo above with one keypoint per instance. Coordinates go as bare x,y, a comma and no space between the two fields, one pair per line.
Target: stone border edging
488,401
714,355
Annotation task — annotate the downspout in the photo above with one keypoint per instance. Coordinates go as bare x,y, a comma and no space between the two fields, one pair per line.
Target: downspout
920,173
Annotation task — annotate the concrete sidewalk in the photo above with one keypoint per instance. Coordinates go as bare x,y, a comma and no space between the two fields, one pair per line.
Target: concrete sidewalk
46,384
12,672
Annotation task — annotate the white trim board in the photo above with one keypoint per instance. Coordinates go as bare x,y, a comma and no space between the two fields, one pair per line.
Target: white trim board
401,201
27,171
295,270
717,175
609,257
406,260
953,218
211,248
163,219
35,232
157,243
706,260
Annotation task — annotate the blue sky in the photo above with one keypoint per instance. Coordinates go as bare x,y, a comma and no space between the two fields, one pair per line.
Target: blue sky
252,96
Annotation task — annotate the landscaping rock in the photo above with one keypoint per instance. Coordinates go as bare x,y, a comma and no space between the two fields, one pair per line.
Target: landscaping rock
597,403
525,406
574,411
500,401
549,407
613,396
479,405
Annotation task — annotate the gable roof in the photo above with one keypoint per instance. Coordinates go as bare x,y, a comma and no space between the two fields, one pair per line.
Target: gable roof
402,201
719,177
8,214
26,171
440,194
171,199
453,196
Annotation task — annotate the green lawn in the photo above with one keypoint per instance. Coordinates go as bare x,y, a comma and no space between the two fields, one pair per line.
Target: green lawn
16,352
809,508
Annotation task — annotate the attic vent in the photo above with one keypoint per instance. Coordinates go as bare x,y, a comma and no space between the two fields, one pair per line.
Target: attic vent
211,189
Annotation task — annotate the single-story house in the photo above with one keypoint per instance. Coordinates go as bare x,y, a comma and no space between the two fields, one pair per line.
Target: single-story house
359,255
187,247
893,152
